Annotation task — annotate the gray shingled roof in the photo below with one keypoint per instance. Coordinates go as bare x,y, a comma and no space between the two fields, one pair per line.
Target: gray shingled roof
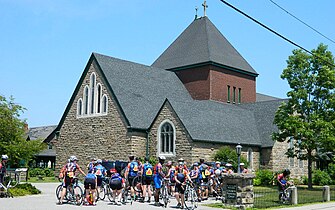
218,122
262,97
141,90
40,132
202,42
264,113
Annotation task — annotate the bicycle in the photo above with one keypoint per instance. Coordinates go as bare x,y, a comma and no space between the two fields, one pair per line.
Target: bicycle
74,193
165,192
101,193
5,189
285,195
126,194
191,197
137,185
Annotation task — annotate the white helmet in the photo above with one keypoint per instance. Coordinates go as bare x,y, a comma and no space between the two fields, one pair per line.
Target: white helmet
217,172
99,161
162,157
73,158
4,157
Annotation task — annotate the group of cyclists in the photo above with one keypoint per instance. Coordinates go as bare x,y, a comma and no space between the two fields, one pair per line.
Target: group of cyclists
205,178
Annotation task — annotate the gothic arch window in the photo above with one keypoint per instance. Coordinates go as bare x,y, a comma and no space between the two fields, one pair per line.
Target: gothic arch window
92,88
250,158
104,104
80,107
166,138
86,94
99,99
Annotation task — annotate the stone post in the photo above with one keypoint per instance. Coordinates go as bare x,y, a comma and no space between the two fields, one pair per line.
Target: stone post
238,190
326,193
294,195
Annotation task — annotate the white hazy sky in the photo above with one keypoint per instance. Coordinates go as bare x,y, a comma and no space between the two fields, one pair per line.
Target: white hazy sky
45,44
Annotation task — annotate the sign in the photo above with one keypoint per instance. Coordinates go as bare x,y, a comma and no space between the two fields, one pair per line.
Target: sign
231,191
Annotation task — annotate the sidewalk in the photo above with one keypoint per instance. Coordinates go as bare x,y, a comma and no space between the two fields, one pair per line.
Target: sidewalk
319,206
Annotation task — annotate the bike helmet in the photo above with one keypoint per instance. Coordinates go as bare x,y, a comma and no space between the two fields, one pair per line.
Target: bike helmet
73,158
4,157
161,157
217,172
169,163
99,161
112,170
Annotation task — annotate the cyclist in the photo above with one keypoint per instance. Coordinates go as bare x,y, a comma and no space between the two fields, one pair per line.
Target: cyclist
243,170
147,177
100,172
158,177
181,177
68,173
3,171
90,184
282,181
229,168
116,183
204,174
131,173
171,176
91,164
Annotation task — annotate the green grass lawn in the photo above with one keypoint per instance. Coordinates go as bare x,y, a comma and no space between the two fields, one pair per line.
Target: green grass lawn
267,197
45,179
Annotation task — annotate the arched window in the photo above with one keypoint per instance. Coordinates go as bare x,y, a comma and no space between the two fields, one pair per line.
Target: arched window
99,99
86,92
104,104
166,143
92,84
80,107
250,158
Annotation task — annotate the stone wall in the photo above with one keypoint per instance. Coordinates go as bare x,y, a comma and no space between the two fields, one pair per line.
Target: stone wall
279,161
238,190
183,142
101,136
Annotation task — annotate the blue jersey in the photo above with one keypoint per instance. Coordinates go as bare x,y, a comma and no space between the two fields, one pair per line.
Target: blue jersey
116,176
100,171
90,176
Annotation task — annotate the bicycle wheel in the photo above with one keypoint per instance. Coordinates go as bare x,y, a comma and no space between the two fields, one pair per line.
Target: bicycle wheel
79,195
102,193
165,196
59,191
109,193
192,200
137,184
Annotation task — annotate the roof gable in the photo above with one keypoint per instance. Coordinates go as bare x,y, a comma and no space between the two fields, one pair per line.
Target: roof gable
202,42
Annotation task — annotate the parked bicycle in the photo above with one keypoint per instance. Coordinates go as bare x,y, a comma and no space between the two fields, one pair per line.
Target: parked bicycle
165,192
5,187
191,197
74,193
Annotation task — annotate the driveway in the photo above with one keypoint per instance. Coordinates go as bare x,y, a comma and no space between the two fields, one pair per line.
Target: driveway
47,201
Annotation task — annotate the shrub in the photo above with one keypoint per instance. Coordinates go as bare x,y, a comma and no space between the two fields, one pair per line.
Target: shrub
24,189
263,177
33,172
321,178
227,154
49,172
304,180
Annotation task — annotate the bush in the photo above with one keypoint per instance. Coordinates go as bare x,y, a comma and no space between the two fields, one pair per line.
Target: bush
228,155
304,180
321,178
24,189
264,178
34,172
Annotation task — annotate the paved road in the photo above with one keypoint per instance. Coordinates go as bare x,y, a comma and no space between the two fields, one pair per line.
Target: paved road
47,201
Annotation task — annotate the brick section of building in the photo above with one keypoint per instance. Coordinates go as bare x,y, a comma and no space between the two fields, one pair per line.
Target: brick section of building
210,83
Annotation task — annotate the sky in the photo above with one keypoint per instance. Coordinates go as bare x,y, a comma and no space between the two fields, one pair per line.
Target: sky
45,44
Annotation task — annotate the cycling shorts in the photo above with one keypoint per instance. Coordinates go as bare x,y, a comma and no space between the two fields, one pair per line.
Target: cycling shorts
89,183
146,180
180,188
99,181
115,184
67,181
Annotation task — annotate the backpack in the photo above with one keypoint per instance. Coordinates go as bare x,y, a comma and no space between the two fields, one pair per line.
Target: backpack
172,175
148,170
133,169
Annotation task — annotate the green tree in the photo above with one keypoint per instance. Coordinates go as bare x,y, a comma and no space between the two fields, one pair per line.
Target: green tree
228,155
12,134
308,114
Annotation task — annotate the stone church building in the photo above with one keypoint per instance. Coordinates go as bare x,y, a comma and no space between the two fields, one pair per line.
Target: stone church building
198,96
